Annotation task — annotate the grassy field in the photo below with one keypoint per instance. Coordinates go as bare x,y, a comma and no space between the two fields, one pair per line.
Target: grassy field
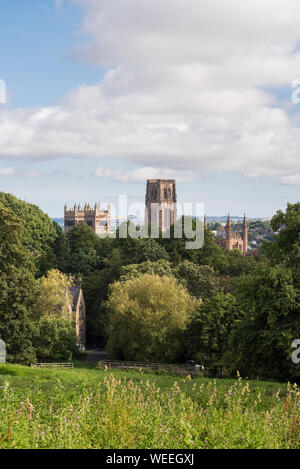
88,408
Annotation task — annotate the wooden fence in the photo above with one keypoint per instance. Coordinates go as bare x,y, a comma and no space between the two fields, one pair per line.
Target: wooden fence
52,365
176,369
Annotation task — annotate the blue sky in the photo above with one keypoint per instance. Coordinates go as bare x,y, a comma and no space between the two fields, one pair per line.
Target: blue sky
124,112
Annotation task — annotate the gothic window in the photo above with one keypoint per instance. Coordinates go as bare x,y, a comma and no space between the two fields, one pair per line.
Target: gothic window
70,223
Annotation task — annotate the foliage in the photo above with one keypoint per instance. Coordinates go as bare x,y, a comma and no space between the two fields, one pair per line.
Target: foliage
146,318
84,248
18,289
135,251
54,339
208,333
162,268
95,289
261,341
200,280
55,299
38,230
286,247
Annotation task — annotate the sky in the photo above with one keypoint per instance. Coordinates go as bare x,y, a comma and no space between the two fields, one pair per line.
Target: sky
102,95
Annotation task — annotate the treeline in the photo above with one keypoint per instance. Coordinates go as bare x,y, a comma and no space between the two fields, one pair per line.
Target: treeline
152,299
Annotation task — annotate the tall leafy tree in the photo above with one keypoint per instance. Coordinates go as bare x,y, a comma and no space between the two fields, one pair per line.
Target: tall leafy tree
286,247
18,289
261,341
38,229
147,317
207,338
54,339
55,298
84,250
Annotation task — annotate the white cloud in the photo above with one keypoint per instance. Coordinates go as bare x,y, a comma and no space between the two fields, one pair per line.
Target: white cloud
7,171
291,179
186,87
13,172
141,174
31,174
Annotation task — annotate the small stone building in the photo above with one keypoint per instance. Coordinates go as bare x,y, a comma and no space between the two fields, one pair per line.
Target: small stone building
78,310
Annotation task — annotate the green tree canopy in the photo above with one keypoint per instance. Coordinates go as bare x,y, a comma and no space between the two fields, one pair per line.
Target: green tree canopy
146,318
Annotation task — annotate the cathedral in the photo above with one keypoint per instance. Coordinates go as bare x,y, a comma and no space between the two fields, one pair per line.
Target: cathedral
235,240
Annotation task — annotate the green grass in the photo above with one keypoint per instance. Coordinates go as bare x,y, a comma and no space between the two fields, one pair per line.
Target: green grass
88,408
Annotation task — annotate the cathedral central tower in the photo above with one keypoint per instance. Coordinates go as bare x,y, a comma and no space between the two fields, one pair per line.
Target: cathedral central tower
161,203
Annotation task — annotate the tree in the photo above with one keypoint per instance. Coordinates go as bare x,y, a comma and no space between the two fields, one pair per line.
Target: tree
146,318
286,247
54,339
200,280
55,299
18,289
207,336
84,250
58,256
38,231
95,289
261,341
82,238
162,268
176,246
137,250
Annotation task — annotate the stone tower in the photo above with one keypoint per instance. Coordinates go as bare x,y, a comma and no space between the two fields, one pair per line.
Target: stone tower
96,218
161,203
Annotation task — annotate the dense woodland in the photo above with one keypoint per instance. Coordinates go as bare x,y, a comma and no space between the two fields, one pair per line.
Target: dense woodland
150,299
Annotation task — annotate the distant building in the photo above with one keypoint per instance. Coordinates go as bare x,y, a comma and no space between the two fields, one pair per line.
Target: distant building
96,218
235,240
79,313
161,203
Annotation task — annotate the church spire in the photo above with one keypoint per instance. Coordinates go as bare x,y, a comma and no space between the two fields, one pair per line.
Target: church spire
245,236
228,233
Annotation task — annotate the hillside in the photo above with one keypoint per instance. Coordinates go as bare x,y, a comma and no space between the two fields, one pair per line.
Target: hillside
89,408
